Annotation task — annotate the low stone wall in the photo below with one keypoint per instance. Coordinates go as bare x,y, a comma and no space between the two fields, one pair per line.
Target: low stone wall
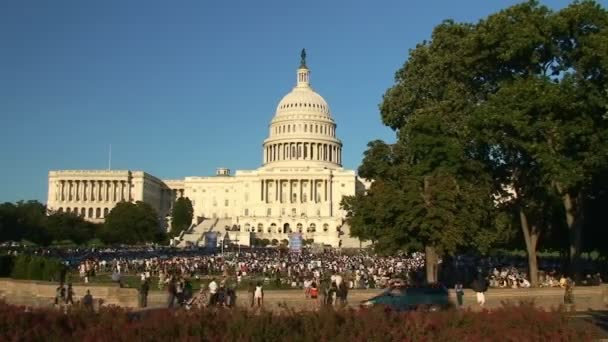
43,293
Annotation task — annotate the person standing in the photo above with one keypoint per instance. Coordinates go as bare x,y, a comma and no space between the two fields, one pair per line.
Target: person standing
259,295
212,292
144,288
459,293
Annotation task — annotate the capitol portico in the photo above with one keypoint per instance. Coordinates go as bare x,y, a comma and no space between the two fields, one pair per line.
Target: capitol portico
298,188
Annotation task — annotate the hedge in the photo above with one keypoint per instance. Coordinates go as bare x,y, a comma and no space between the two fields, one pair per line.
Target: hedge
31,267
509,323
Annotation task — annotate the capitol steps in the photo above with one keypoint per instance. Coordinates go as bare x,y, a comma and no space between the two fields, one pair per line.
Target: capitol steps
195,234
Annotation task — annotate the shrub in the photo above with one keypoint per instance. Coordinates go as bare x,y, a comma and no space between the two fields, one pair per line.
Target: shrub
509,323
34,268
6,265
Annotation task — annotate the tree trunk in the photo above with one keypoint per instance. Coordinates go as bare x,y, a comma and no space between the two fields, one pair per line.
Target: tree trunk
531,237
430,264
574,220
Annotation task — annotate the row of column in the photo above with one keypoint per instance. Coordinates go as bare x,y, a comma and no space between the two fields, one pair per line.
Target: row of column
90,213
317,190
92,190
303,151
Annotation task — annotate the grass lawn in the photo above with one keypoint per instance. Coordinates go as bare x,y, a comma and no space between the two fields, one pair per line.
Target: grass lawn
132,281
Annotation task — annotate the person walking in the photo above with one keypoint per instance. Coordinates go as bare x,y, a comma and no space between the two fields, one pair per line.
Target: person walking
251,291
69,299
87,301
172,293
480,286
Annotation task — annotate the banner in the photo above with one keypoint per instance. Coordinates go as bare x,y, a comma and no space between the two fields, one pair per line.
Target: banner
211,240
295,242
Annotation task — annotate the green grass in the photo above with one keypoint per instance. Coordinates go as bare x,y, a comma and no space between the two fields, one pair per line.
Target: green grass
133,281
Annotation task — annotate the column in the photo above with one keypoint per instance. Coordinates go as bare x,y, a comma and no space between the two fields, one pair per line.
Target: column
310,190
265,153
276,189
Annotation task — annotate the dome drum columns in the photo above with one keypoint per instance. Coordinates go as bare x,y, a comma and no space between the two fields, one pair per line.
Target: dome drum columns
292,151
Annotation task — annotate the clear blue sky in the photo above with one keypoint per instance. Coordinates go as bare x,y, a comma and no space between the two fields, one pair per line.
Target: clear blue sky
181,87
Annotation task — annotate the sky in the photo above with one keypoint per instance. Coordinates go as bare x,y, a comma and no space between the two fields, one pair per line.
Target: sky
179,88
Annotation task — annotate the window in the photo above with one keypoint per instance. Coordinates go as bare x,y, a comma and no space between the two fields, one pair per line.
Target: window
246,212
312,228
303,198
282,211
325,227
268,212
293,211
226,202
318,212
260,227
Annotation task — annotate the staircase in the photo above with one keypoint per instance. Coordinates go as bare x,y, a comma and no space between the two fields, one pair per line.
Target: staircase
195,234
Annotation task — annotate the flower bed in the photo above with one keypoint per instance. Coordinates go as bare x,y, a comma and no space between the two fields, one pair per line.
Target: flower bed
509,323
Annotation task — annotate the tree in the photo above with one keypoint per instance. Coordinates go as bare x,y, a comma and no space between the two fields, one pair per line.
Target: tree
181,215
132,223
68,226
515,102
541,78
428,192
23,221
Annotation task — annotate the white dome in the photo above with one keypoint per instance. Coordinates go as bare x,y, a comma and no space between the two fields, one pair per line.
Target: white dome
303,100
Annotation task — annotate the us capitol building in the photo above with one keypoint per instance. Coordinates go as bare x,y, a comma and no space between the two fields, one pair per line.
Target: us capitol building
298,188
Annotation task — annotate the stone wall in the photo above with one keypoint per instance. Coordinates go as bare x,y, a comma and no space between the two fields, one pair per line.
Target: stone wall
42,294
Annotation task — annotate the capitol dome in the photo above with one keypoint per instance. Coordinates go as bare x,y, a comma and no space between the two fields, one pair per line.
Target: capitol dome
303,100
302,131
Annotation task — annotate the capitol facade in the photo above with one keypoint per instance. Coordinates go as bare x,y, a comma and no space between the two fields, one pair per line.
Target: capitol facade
298,188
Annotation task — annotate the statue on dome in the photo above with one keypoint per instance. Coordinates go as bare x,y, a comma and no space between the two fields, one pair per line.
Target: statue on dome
303,58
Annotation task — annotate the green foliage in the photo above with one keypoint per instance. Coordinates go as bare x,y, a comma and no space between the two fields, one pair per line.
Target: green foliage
31,267
69,226
131,223
181,215
514,102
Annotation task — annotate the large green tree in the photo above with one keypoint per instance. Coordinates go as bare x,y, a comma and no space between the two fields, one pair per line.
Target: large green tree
23,221
132,223
181,215
428,192
515,103
541,77
69,226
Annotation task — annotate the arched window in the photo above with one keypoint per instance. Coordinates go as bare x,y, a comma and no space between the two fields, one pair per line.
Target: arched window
299,226
60,210
83,211
312,228
260,227
105,212
325,227
68,210
90,213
